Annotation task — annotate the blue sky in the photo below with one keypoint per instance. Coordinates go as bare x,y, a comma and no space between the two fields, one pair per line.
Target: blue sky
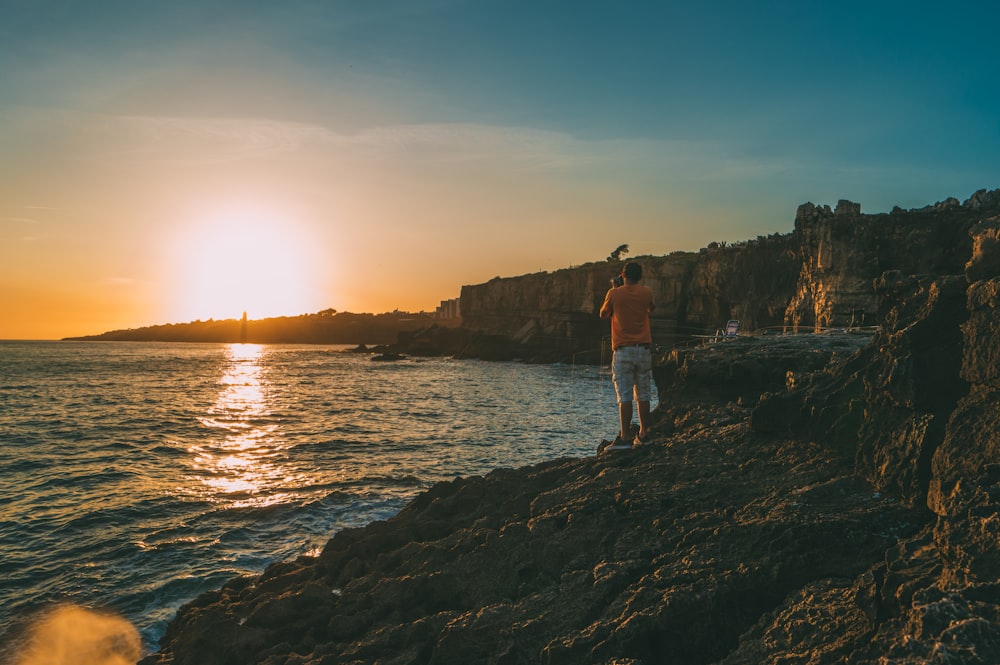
433,144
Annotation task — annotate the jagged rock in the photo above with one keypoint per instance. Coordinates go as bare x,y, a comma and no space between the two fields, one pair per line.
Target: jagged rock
842,256
810,212
981,360
845,207
744,368
888,405
936,598
983,200
950,202
985,260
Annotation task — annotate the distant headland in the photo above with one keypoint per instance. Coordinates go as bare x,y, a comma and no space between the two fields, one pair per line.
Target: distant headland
326,327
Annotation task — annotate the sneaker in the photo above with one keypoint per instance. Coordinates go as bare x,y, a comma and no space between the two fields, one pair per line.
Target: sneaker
618,444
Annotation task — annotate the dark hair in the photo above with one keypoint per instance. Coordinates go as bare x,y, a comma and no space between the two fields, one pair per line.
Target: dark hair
632,272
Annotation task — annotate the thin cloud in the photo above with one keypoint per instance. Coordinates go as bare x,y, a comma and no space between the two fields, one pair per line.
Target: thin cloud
180,141
201,140
217,140
462,142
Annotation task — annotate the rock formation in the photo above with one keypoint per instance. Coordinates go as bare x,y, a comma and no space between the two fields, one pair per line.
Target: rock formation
843,252
928,438
820,275
822,498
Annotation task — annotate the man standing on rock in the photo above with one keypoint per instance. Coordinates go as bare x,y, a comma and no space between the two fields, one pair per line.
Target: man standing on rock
628,306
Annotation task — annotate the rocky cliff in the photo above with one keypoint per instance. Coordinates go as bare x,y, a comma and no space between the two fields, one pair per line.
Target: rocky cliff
820,275
696,293
821,499
842,252
550,317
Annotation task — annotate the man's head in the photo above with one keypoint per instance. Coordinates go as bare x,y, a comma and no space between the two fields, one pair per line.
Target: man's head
632,272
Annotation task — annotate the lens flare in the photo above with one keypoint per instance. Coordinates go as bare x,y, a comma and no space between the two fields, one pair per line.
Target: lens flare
70,635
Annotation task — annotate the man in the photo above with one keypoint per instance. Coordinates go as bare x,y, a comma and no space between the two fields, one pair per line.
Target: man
628,306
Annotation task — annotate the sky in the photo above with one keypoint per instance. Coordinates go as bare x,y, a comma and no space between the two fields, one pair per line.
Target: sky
194,159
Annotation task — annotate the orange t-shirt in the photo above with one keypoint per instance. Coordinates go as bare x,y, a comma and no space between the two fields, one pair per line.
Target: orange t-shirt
628,306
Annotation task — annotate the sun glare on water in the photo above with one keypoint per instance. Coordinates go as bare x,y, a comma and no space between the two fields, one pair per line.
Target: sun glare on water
243,462
237,260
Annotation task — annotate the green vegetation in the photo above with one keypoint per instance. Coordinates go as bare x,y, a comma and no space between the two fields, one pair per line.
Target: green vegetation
618,253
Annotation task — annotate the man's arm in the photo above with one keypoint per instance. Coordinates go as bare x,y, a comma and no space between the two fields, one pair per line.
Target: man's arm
607,309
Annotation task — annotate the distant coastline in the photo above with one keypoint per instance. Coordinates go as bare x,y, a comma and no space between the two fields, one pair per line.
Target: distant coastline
327,327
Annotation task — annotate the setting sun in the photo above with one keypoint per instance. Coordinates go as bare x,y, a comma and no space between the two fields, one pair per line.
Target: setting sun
242,259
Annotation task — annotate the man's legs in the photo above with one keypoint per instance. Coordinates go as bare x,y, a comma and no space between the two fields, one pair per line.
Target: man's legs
625,416
643,418
631,369
643,391
623,374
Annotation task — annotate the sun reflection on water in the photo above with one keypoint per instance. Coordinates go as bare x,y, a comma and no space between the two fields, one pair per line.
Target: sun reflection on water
244,462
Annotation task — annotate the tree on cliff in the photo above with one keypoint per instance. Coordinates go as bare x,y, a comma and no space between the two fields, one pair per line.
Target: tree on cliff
619,252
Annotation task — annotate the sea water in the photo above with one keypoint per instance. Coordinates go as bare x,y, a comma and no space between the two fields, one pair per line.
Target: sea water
134,476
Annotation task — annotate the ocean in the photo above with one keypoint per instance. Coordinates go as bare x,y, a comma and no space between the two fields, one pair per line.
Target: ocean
135,476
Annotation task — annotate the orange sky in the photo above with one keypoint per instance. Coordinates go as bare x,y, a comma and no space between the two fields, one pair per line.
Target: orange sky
164,162
125,222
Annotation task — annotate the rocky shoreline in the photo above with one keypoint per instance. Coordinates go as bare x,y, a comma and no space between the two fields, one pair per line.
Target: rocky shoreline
821,498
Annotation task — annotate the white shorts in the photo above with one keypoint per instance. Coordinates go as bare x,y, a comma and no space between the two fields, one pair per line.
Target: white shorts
631,367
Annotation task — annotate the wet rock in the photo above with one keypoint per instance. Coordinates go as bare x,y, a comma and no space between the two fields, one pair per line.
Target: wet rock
388,356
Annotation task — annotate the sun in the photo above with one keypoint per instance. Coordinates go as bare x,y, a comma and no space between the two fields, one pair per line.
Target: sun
243,259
